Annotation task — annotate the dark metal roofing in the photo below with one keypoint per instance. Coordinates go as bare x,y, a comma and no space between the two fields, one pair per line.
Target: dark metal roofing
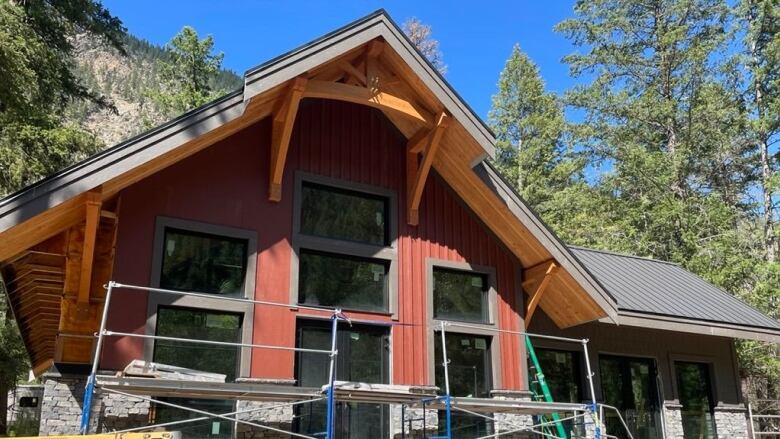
650,286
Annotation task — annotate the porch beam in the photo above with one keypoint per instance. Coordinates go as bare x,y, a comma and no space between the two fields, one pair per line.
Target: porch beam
283,122
552,268
365,96
93,206
417,172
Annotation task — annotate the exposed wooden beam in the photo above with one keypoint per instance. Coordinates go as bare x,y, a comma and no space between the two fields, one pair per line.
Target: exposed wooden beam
42,367
283,123
536,297
354,72
375,48
417,173
365,96
93,206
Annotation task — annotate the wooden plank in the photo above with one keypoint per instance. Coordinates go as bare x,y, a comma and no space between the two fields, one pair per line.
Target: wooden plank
283,123
536,297
416,184
354,72
364,96
93,208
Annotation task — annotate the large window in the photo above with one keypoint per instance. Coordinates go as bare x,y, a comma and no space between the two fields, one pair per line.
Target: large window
630,385
460,295
333,280
194,261
363,356
198,325
342,214
343,244
695,394
470,374
561,371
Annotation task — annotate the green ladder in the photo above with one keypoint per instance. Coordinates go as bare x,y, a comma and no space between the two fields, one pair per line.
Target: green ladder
538,383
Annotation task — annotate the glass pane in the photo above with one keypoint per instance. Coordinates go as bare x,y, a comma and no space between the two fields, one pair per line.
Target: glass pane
366,356
198,325
212,428
342,281
469,366
203,263
695,389
630,385
470,375
562,372
341,214
363,357
459,295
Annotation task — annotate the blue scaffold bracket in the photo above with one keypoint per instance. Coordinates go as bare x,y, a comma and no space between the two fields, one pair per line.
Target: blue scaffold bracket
87,408
594,411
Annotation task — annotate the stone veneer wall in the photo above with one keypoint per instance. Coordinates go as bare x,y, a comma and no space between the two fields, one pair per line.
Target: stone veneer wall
673,420
63,397
731,422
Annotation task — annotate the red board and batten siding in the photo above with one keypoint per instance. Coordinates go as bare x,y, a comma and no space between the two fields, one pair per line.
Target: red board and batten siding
227,185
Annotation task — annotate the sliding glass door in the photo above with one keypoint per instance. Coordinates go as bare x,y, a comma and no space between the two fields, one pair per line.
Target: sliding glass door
630,385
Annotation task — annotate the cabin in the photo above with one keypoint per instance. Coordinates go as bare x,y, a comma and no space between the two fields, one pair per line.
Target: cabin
329,249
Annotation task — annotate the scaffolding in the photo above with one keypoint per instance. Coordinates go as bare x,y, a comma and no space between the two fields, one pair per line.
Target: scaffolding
152,389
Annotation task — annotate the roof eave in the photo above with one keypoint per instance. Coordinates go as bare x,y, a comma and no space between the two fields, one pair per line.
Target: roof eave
559,251
694,326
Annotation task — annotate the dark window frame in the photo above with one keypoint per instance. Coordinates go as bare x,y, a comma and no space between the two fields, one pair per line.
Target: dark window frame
485,292
216,303
303,242
337,189
709,368
208,235
342,361
385,289
582,385
241,322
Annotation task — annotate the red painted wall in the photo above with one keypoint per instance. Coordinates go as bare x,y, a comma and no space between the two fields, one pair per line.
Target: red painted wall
227,185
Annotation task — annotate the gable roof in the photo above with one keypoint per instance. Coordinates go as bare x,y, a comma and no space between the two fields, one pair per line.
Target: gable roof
56,203
664,291
575,295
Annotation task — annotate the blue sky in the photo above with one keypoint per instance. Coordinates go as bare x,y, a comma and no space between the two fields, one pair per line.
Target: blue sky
476,37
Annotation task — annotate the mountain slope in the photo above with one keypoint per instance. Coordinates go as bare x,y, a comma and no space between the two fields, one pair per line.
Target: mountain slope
127,82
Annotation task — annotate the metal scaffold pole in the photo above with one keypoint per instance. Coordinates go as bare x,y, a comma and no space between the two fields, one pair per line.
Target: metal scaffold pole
90,388
447,399
332,376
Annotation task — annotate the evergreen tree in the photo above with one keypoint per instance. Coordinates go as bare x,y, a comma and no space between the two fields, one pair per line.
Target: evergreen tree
189,73
529,126
657,113
760,20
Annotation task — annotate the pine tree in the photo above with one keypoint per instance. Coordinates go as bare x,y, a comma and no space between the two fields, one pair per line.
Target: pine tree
657,112
189,73
529,126
760,20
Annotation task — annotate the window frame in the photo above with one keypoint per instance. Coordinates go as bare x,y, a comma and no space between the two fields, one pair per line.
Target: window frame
387,253
481,329
155,300
709,364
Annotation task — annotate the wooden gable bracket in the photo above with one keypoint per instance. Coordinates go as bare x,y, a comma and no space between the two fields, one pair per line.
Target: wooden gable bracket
536,297
417,170
283,122
93,206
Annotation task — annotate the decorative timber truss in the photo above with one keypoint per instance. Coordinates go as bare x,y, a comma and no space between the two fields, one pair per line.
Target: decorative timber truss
364,79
